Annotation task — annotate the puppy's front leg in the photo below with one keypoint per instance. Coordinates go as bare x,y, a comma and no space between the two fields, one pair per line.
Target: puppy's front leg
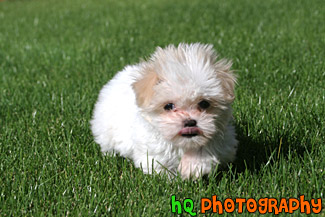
195,163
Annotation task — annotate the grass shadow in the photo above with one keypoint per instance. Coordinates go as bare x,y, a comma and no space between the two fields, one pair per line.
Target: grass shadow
253,153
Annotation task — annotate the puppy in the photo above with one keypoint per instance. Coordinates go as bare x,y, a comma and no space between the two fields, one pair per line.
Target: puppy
171,113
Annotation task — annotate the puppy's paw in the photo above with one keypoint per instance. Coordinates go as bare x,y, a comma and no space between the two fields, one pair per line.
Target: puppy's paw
193,165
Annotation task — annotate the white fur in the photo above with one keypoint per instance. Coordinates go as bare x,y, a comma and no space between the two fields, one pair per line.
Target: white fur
148,134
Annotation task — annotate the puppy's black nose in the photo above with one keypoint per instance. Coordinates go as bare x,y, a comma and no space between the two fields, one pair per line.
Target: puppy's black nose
190,123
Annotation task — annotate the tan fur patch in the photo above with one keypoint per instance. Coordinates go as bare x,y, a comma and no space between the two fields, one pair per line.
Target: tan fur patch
228,79
143,88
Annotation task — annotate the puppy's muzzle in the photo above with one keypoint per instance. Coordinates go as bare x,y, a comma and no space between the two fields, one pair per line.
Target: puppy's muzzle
190,129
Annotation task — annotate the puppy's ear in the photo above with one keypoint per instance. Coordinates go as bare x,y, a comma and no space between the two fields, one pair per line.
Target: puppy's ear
227,78
144,87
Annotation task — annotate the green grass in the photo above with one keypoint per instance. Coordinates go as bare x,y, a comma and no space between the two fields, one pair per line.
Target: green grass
56,55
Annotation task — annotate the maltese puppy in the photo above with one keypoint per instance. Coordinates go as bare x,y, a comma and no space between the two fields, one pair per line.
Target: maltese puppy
171,113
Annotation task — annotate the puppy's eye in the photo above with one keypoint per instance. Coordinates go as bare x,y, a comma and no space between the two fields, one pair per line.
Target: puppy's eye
204,104
169,106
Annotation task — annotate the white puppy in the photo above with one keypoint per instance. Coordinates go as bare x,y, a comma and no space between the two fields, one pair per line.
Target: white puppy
170,113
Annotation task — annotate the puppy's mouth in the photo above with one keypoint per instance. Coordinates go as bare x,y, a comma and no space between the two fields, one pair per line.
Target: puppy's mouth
190,132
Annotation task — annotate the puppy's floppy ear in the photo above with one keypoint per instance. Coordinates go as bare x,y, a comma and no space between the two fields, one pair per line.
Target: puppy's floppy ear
144,87
227,79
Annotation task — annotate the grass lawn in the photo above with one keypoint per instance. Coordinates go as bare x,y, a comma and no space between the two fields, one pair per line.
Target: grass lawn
55,55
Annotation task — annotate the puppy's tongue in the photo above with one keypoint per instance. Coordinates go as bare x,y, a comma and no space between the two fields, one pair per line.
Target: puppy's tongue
190,131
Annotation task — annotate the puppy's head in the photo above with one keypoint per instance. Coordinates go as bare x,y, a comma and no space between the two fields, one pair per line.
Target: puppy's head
186,93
